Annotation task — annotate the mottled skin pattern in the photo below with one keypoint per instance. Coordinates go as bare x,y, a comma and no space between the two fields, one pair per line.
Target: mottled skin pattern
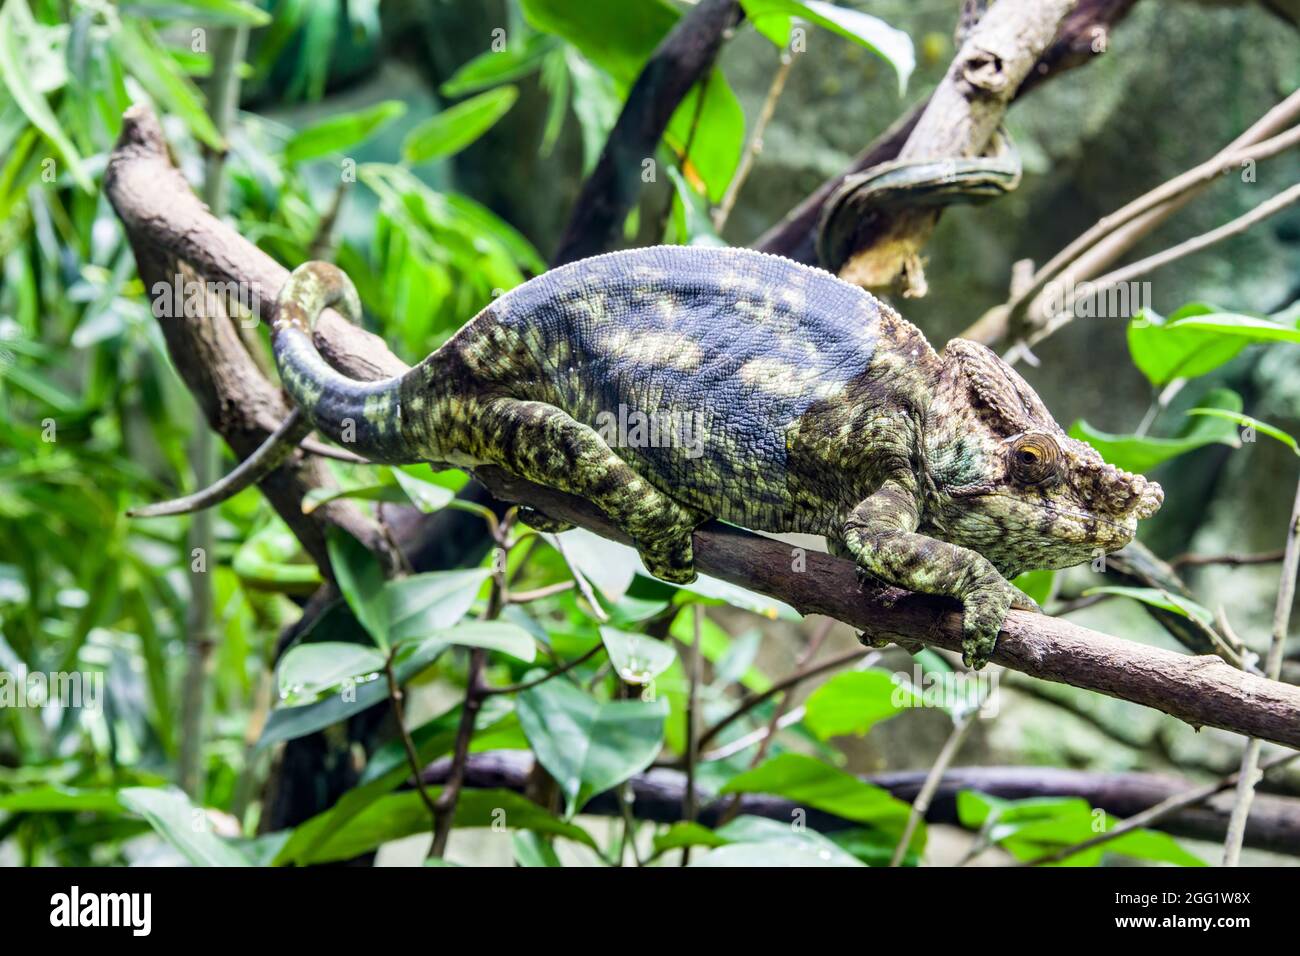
812,406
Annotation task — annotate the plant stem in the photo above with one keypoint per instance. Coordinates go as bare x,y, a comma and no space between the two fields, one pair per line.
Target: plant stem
693,743
960,728
227,51
755,145
1248,776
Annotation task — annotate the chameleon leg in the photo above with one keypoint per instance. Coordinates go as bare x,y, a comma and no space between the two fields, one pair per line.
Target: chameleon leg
542,443
881,535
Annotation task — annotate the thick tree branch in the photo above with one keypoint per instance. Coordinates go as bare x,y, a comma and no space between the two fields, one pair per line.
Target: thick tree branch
1082,36
683,57
657,795
1203,691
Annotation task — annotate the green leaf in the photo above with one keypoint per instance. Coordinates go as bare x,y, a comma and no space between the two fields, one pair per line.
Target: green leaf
308,670
815,784
532,850
181,824
891,45
423,604
490,635
684,834
854,702
142,53
341,131
492,67
400,815
1141,453
1037,584
1037,826
589,745
361,580
206,11
1158,598
638,659
775,854
1245,421
454,128
56,799
1196,339
425,495
16,24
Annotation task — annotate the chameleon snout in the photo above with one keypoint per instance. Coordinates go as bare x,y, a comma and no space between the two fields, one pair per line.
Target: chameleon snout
1133,496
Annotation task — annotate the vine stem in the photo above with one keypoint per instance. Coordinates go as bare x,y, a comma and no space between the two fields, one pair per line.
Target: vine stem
227,52
960,729
1249,774
755,144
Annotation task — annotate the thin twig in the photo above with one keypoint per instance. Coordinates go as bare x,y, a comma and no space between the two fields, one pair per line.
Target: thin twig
693,743
1248,775
1160,811
961,727
1233,559
755,144
537,594
408,743
556,672
1264,210
753,700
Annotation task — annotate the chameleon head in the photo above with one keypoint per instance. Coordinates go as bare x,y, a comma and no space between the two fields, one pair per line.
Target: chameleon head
1013,486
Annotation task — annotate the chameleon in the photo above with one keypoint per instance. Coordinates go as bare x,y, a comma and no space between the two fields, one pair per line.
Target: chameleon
671,385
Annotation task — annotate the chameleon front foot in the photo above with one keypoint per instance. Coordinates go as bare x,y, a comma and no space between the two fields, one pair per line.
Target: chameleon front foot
985,611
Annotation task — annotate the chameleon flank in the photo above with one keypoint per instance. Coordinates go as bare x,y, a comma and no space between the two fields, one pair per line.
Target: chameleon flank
813,407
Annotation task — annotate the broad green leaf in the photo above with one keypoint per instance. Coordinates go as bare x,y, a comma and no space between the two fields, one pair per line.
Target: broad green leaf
853,703
425,495
815,784
589,745
361,580
1196,339
456,127
638,659
1141,453
423,604
684,834
205,11
341,132
891,45
1037,584
1245,421
1034,827
492,67
181,824
308,670
1158,598
761,830
389,767
141,52
400,815
56,799
490,635
690,214
16,26
530,849
775,854
617,37
287,723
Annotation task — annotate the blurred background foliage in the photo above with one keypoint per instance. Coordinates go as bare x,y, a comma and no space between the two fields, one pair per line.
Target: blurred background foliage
433,150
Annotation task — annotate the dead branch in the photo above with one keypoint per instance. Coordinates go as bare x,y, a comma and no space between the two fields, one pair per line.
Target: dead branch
657,796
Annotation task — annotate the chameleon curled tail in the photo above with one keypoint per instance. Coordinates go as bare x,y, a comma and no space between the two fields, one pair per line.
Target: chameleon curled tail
362,416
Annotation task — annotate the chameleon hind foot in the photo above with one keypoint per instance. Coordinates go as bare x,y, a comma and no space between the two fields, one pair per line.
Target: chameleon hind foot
540,521
670,558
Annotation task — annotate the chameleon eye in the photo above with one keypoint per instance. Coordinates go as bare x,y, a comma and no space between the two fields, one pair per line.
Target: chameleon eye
1033,459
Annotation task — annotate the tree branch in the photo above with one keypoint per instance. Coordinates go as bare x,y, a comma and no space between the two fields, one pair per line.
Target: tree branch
683,56
1203,691
657,795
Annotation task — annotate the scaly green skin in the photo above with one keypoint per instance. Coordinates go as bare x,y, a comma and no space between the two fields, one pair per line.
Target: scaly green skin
812,407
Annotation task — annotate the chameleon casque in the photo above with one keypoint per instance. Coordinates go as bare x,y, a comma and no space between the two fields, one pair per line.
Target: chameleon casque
813,407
